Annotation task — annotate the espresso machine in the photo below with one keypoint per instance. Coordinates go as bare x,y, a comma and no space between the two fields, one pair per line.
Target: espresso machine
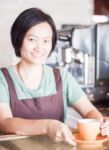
83,51
102,66
75,52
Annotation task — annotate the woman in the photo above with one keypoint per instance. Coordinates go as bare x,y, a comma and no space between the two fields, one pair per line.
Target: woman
34,96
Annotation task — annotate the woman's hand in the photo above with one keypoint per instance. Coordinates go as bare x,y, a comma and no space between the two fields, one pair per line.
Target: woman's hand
59,131
105,126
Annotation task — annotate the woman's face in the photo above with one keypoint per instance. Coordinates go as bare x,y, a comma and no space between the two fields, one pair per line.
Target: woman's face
37,44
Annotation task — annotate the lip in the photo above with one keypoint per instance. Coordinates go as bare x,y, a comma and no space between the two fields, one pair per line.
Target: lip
37,55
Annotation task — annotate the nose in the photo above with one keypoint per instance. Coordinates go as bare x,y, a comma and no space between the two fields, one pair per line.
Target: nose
38,46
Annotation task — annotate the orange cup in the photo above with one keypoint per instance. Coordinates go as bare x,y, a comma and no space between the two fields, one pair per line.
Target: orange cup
88,129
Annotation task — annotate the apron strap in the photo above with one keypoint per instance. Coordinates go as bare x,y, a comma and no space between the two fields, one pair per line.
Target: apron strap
11,87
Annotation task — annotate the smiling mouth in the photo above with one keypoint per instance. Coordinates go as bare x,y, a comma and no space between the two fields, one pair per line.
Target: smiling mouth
37,55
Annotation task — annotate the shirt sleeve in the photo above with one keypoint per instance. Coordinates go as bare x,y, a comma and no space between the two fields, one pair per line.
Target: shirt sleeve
71,88
4,93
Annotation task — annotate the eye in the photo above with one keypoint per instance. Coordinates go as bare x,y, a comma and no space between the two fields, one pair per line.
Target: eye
32,39
47,41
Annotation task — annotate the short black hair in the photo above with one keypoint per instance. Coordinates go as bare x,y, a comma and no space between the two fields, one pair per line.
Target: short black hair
27,19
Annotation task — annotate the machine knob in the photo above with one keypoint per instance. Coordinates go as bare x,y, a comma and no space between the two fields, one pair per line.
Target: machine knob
88,90
107,94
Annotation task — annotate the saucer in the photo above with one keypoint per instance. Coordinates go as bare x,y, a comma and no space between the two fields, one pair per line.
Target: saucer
99,140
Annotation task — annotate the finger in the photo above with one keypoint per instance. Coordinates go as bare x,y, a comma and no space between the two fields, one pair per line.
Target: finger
105,124
105,131
105,119
69,132
56,139
71,135
68,139
101,120
58,134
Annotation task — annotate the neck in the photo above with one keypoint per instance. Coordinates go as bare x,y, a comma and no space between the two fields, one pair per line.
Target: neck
29,67
29,71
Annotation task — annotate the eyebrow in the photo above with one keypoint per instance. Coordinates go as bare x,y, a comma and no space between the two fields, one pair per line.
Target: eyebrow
37,36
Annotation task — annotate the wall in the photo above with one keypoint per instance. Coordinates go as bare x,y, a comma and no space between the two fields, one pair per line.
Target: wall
62,11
